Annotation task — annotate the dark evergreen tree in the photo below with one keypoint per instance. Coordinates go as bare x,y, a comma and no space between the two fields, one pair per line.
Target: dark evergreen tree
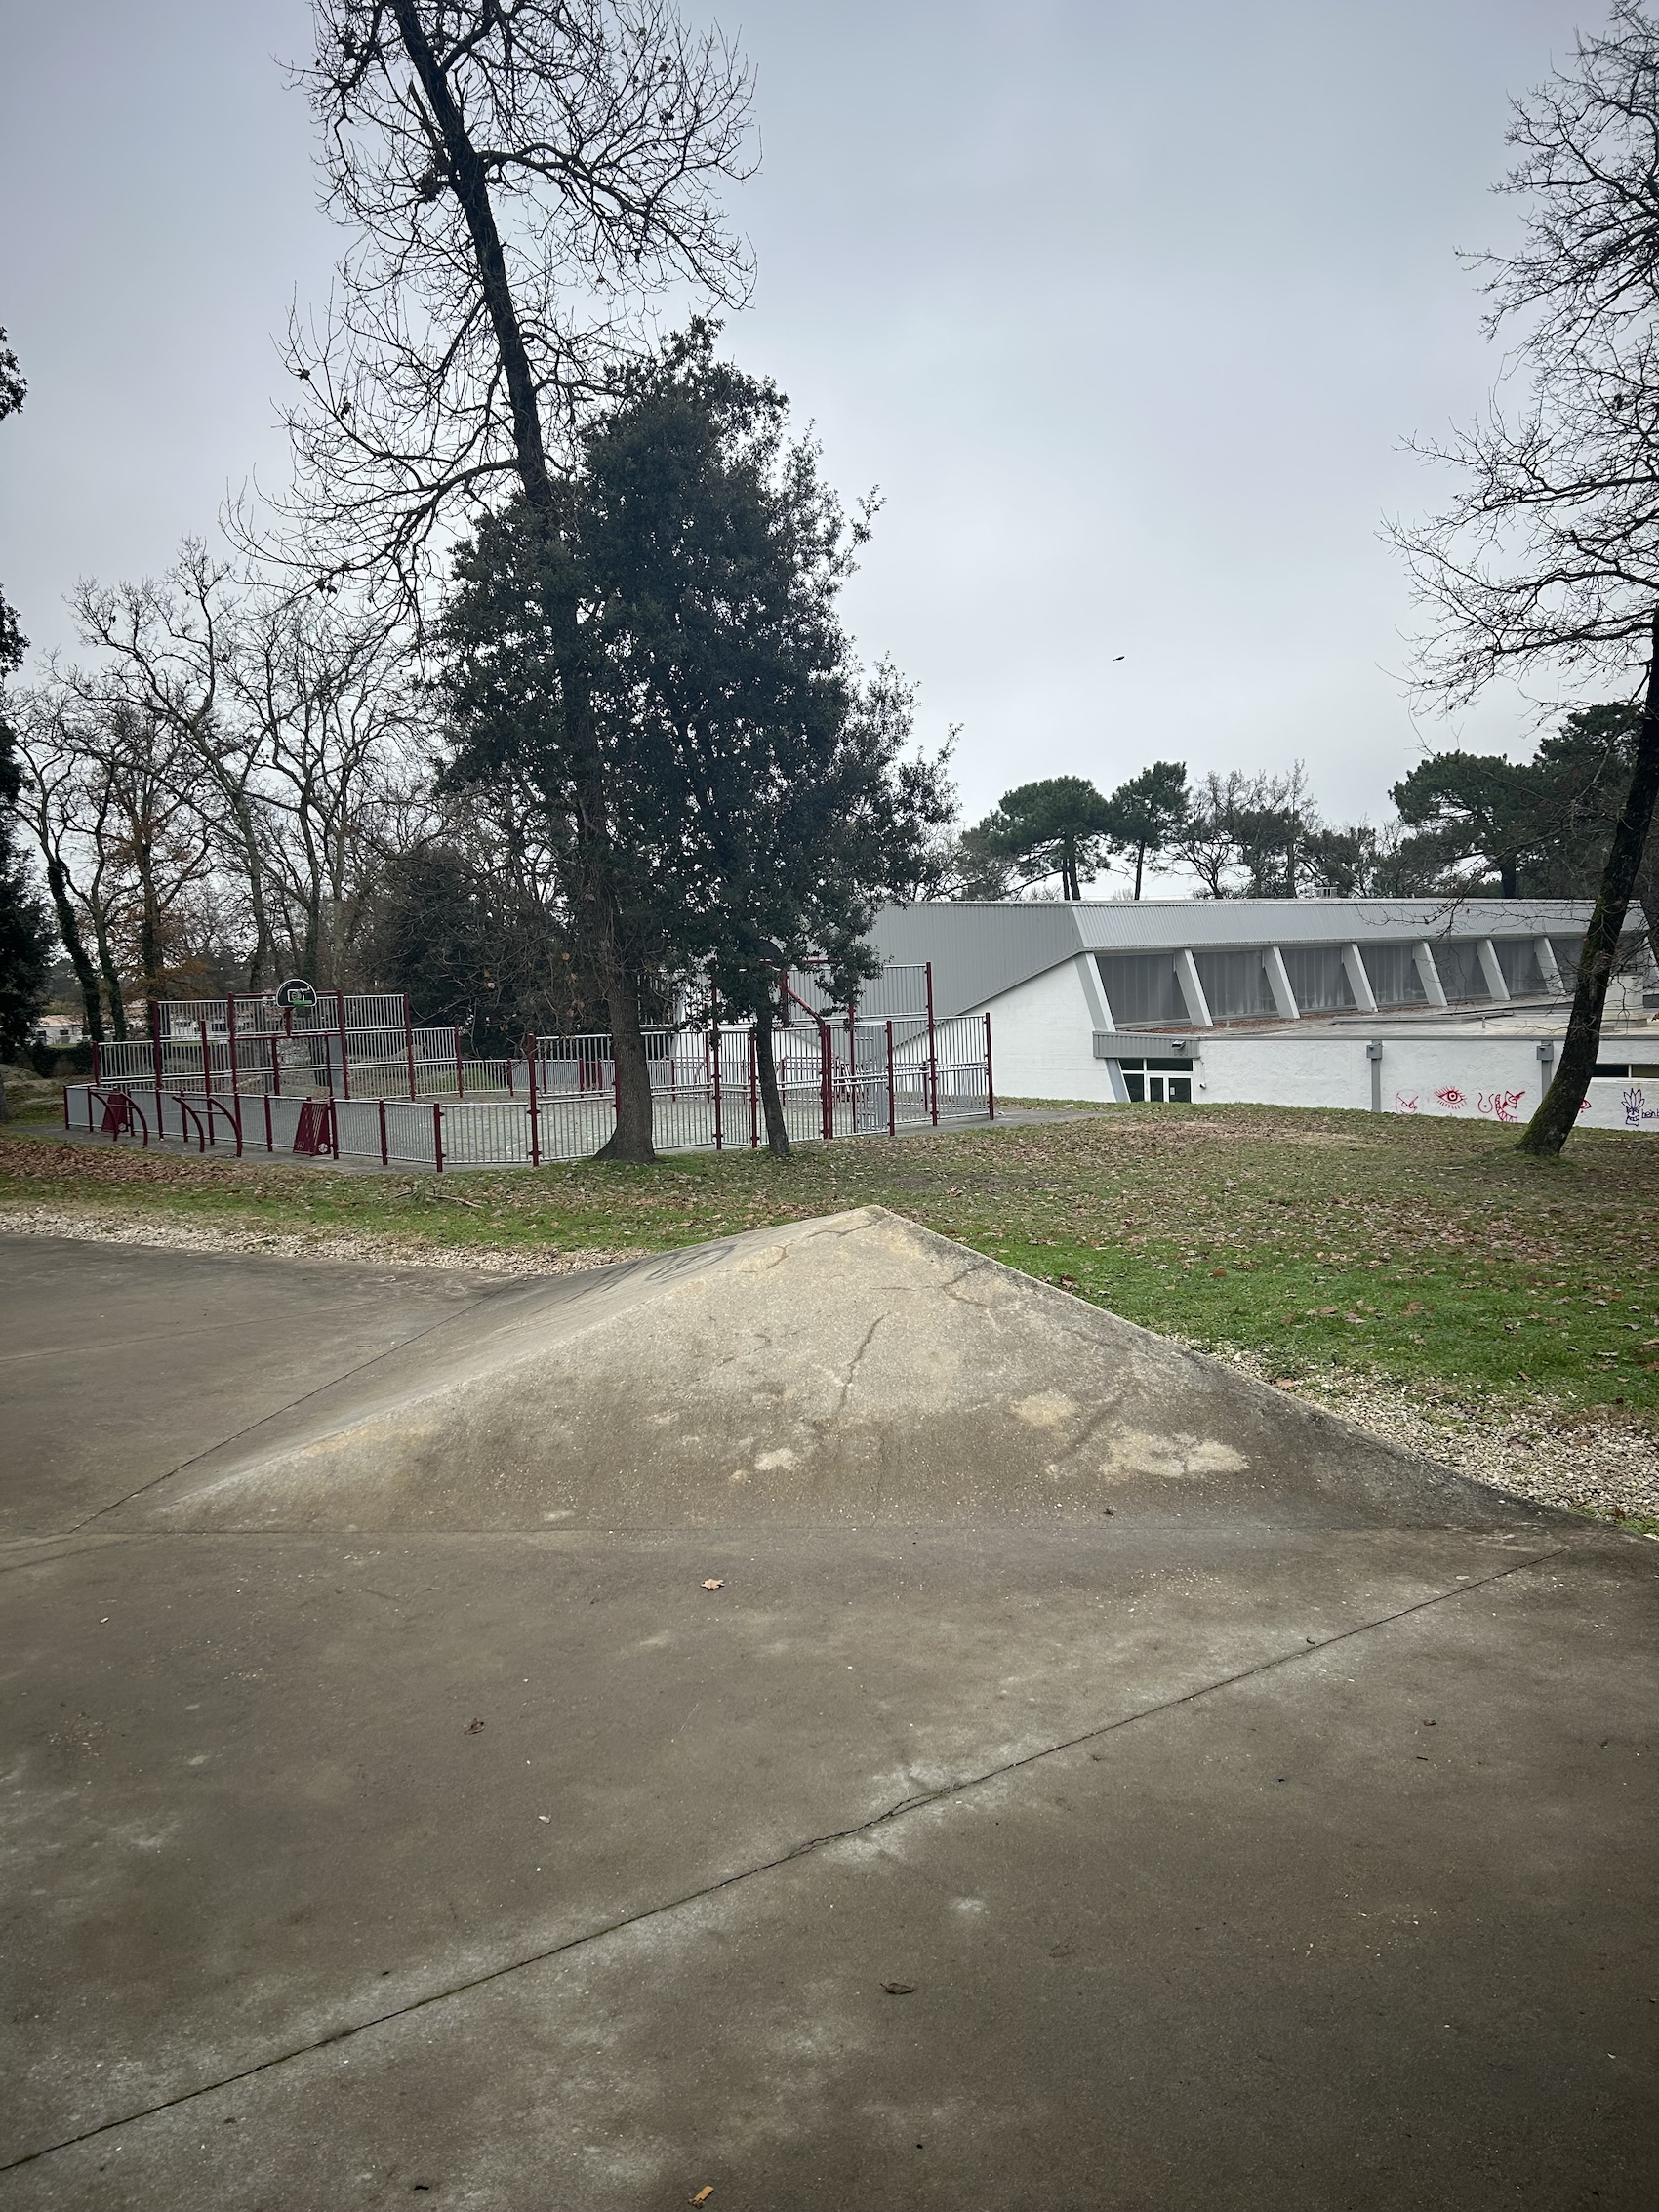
1147,814
734,783
1472,808
1059,827
721,554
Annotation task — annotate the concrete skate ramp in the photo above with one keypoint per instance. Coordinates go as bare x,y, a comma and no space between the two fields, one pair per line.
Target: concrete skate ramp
856,1368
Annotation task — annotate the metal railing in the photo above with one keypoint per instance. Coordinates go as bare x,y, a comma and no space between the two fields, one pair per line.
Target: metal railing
406,1096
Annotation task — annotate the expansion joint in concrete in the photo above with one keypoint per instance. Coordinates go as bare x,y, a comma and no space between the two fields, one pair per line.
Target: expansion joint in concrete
1312,1649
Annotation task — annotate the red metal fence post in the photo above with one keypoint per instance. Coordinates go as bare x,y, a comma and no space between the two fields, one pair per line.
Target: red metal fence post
755,1091
271,1142
437,1137
826,1094
530,1049
932,1053
892,1100
989,1086
384,1158
715,1044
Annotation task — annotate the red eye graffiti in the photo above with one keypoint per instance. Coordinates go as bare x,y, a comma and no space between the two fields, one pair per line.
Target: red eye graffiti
1451,1098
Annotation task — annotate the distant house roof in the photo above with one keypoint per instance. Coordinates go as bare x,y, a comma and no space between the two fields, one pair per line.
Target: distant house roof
981,948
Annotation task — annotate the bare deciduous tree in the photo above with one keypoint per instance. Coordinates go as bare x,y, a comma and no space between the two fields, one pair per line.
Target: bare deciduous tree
165,645
1546,556
325,697
520,177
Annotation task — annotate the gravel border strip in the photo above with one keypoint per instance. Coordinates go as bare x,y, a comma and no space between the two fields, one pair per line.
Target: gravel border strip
110,1228
1541,1448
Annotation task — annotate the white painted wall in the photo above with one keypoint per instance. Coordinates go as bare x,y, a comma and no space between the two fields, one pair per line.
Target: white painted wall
1042,1046
1471,1078
1042,1038
1283,1071
1612,1104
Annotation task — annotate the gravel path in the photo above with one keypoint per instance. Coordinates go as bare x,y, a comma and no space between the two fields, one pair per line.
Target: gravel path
106,1226
1558,1454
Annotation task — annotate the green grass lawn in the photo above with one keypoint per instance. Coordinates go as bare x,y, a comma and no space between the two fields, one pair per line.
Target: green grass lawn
1418,1250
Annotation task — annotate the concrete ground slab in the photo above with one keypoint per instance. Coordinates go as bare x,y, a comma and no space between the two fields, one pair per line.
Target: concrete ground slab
119,1363
1237,1852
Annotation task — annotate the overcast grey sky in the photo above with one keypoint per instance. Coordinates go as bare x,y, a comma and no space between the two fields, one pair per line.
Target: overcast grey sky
1126,308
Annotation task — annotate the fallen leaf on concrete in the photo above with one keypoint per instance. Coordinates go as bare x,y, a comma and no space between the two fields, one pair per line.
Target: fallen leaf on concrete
475,1728
900,1989
713,1582
704,2193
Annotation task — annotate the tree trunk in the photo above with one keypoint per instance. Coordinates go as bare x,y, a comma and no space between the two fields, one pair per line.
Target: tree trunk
469,181
111,978
75,945
260,958
630,1141
1558,1112
149,926
770,1098
1139,863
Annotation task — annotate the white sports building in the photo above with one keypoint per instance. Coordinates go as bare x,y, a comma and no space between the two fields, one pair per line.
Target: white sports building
1387,1005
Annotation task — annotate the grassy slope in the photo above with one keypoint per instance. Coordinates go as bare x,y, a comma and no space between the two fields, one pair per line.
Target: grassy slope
1420,1250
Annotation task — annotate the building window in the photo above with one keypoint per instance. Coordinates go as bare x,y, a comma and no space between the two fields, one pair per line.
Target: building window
1318,978
1159,1082
1566,950
1517,964
1141,986
1236,984
1392,975
1457,963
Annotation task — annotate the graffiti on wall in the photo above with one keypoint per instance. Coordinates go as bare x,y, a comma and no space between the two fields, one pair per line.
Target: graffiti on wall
1497,1106
1500,1105
1631,1106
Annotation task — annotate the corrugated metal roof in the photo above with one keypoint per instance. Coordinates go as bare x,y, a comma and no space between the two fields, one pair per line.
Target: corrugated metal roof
981,947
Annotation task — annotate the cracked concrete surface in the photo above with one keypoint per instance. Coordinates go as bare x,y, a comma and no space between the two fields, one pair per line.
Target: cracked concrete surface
1282,1839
